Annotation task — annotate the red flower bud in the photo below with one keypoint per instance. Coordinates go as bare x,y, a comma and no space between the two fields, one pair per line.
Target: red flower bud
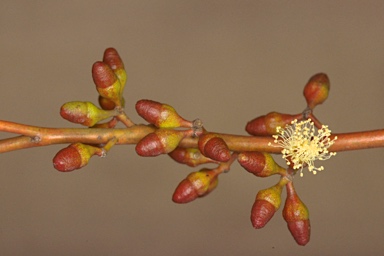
189,156
161,115
266,204
262,211
197,184
266,125
107,83
73,157
260,164
296,215
85,113
106,103
162,141
316,90
214,147
112,59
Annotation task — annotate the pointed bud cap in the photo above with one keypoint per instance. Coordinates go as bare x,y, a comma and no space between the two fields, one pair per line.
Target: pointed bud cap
316,90
259,164
189,156
296,214
262,211
266,125
162,141
107,83
161,115
197,184
85,113
73,157
214,147
266,204
112,59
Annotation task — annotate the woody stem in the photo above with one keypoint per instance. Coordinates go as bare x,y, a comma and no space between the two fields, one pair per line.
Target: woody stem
34,136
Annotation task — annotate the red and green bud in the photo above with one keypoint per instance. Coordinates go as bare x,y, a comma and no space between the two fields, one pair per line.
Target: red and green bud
316,90
75,156
112,59
197,184
266,125
161,115
259,164
213,146
84,112
107,83
189,156
296,215
266,204
162,141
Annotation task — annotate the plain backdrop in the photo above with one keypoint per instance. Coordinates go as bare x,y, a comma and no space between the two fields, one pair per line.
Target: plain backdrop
224,62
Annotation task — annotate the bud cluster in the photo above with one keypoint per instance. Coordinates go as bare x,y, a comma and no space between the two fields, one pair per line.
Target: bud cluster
171,130
294,133
302,141
109,77
167,137
268,200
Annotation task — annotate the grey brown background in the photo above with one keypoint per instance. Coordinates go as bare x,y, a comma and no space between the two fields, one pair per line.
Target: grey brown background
225,62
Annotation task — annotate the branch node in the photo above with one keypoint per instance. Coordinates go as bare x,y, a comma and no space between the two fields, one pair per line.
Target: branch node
307,112
35,139
103,153
197,126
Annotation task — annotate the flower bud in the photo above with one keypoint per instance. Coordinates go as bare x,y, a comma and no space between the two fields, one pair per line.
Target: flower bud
73,157
108,104
161,115
266,125
260,164
213,146
266,204
189,156
112,59
296,214
316,90
162,141
197,184
85,113
107,83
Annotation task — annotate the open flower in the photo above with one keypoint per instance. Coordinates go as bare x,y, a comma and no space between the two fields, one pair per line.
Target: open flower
302,145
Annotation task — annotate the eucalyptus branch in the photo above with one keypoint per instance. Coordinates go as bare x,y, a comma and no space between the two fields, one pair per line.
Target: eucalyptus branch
301,139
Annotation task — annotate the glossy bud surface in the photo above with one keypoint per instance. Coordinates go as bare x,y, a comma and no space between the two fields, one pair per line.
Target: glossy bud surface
161,115
266,125
296,215
259,164
316,90
197,184
189,156
214,147
266,204
73,157
162,141
85,113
